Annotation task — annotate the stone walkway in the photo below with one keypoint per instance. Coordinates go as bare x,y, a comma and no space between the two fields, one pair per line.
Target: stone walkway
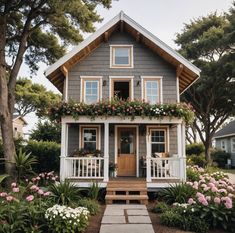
126,219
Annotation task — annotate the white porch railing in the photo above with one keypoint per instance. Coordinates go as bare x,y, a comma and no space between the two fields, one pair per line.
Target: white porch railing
83,167
166,168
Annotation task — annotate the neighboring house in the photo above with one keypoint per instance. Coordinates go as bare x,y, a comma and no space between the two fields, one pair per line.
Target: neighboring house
124,59
18,124
225,140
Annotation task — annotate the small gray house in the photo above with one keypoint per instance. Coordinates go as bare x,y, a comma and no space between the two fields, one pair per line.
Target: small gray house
122,59
225,140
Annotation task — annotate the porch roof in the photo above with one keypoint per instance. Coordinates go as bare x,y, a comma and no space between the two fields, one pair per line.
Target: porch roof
119,120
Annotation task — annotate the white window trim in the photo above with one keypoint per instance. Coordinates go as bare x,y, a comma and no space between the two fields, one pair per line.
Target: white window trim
225,145
98,134
151,128
143,91
121,78
129,66
90,78
232,143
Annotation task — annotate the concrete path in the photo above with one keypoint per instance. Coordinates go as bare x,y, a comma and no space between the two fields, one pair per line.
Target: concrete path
231,177
126,219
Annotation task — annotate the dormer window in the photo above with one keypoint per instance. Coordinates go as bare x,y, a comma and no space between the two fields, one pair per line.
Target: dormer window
121,56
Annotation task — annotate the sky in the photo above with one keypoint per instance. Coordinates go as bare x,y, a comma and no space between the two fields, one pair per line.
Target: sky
163,18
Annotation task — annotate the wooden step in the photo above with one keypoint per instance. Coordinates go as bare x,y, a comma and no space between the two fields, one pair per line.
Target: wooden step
132,189
142,199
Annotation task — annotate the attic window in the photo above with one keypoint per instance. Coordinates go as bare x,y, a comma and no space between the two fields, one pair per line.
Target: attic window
121,56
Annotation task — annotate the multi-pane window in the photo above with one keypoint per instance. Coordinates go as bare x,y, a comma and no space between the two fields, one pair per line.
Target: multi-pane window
158,141
91,92
152,91
89,139
233,145
223,145
121,56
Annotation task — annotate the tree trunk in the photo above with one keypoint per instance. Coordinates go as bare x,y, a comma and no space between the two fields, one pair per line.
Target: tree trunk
207,145
5,111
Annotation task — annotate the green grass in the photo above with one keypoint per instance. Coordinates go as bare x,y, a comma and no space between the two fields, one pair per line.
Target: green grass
227,170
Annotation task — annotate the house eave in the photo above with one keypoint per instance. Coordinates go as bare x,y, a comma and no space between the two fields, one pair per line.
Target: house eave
224,136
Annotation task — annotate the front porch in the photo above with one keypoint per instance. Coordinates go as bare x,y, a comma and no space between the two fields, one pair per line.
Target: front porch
156,171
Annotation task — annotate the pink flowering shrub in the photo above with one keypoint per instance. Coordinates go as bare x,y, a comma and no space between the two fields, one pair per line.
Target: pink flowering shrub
214,199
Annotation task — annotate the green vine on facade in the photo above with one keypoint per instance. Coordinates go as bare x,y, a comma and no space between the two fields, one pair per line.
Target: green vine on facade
122,109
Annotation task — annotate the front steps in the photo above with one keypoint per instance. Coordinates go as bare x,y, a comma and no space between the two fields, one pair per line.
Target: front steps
126,191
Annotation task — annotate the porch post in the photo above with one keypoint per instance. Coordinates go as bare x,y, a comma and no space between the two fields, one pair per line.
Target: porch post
148,158
106,151
183,152
180,155
63,151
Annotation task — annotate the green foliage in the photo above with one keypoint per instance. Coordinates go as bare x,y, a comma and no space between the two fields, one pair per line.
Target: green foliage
45,151
198,160
220,157
195,149
209,43
94,191
24,163
33,97
46,131
92,205
184,220
3,177
160,207
122,109
65,193
179,193
192,175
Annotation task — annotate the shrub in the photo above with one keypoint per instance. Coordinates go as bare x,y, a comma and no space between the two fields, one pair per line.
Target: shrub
66,219
94,191
198,160
160,207
170,218
90,204
192,174
45,151
220,157
177,193
65,193
195,149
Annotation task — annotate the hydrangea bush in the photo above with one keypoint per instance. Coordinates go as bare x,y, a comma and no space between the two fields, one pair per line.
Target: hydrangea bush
66,219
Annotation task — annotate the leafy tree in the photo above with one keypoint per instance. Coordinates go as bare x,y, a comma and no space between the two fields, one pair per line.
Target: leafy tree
34,31
47,131
31,97
209,43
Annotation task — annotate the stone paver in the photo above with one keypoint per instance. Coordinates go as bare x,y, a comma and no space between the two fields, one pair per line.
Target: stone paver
231,177
137,212
126,228
126,219
113,219
139,219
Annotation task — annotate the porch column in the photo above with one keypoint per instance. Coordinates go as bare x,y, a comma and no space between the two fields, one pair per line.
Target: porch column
148,159
183,168
63,151
106,151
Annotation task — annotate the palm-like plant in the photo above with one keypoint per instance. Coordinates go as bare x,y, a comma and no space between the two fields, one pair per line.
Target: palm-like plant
23,163
177,193
65,193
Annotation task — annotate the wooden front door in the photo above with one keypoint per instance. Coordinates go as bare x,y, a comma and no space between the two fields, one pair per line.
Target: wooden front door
126,152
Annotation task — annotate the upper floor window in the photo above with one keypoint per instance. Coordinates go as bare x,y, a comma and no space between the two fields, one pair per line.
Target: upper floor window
224,145
152,89
121,56
233,145
91,89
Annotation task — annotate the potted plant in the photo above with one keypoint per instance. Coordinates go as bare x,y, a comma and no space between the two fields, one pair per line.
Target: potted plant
112,168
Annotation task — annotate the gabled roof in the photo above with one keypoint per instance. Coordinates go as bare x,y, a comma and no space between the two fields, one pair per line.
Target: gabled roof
187,72
15,117
228,130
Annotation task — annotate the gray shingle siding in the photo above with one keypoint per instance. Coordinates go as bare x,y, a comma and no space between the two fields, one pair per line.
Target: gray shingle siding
146,63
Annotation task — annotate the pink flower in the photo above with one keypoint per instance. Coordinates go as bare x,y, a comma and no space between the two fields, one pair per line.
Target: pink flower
211,185
33,179
230,188
34,187
214,189
222,191
40,192
15,190
191,201
9,198
46,194
228,205
199,194
217,200
208,198
29,198
38,178
13,184
3,194
206,189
